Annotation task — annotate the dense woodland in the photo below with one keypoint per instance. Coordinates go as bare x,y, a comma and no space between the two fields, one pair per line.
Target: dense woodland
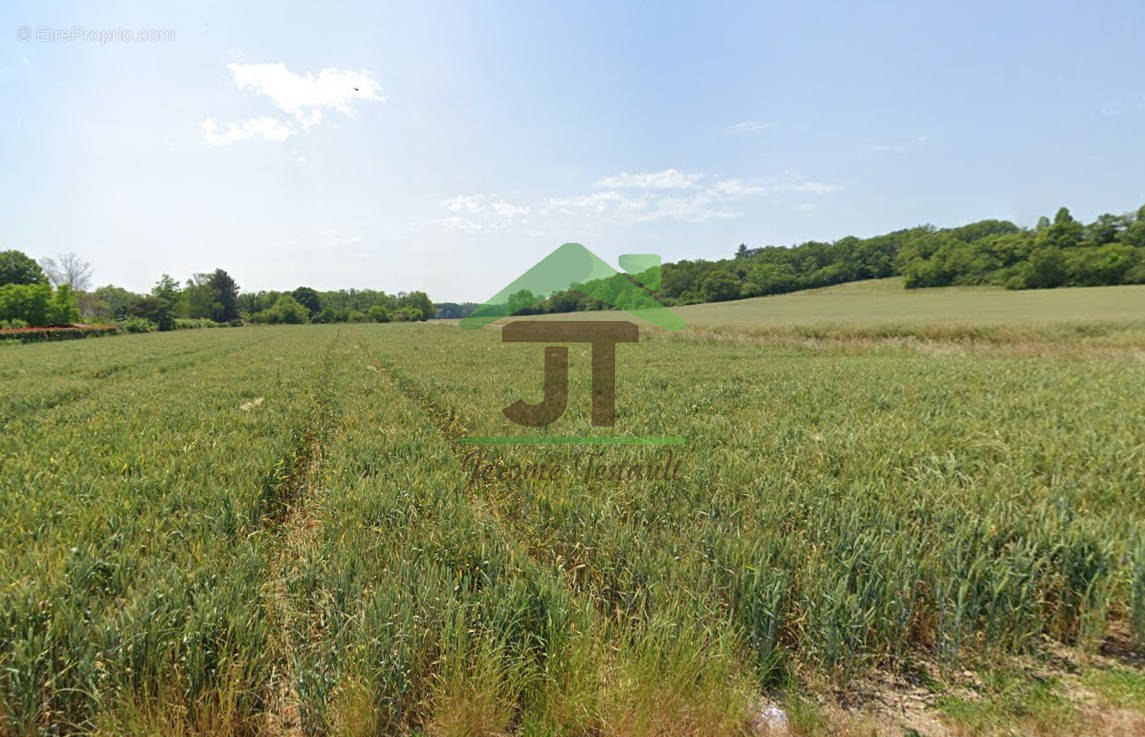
1057,253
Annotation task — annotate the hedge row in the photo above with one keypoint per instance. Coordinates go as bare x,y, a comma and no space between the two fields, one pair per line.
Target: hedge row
69,332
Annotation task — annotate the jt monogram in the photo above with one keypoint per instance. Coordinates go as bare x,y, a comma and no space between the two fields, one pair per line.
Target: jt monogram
603,335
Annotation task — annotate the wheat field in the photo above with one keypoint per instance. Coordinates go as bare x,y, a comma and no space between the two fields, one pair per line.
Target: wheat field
280,530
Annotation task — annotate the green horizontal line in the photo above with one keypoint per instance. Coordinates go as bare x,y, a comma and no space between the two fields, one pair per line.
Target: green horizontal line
576,440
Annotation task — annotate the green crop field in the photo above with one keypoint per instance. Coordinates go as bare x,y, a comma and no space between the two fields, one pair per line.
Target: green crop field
295,529
883,308
884,301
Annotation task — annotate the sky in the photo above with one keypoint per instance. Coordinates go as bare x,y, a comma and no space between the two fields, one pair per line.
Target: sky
447,147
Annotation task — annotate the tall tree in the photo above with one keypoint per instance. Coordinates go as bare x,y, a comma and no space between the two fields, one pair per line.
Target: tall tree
201,298
111,302
1065,232
519,302
1134,234
309,299
156,309
62,308
419,301
1106,229
214,296
69,269
19,268
721,285
159,307
227,295
166,288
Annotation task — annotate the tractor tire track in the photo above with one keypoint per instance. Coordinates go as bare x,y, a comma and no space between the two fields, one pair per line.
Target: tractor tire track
292,519
481,494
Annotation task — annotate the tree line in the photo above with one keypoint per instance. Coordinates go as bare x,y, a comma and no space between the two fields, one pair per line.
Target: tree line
55,292
344,305
1057,253
1054,253
38,295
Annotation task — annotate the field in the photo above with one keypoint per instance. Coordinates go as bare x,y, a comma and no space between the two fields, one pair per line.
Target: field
885,302
881,518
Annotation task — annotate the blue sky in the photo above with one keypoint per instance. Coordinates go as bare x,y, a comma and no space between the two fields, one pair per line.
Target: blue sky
447,146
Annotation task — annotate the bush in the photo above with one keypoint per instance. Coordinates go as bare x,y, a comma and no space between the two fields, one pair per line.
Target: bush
62,307
155,310
19,268
720,286
138,325
1045,269
1136,275
196,323
330,315
286,310
407,314
184,323
1101,265
37,335
26,302
420,302
37,305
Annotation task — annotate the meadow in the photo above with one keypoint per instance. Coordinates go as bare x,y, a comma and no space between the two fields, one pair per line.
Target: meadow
278,530
885,302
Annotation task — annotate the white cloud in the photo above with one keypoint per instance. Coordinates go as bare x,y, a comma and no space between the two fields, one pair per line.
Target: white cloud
260,127
667,179
898,148
812,187
606,205
463,225
751,126
484,204
304,97
631,208
477,212
627,199
737,188
689,209
805,207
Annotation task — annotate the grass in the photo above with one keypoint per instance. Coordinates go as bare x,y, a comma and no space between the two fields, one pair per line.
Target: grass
883,309
178,557
885,302
1122,687
1009,702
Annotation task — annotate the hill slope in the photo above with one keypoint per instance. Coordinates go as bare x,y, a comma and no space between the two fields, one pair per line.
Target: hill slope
885,302
882,308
